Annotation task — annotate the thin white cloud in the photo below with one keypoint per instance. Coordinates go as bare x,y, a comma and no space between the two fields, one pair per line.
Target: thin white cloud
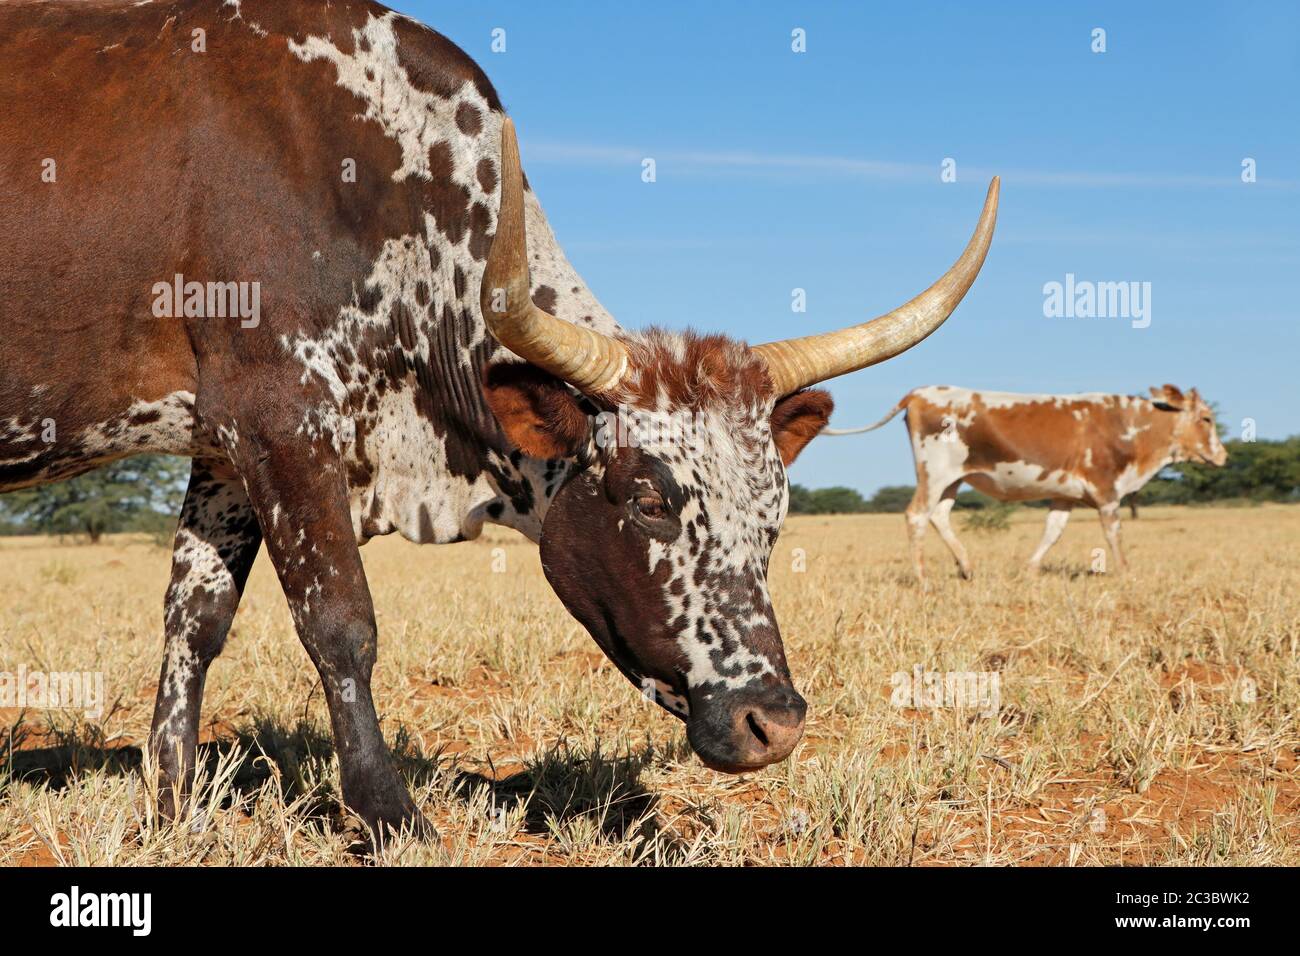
688,161
1183,241
583,154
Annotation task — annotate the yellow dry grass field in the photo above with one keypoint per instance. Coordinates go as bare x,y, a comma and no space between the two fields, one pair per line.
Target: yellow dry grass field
1147,719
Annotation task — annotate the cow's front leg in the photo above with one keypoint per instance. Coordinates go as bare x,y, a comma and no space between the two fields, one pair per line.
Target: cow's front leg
1057,517
298,492
216,542
939,517
1110,524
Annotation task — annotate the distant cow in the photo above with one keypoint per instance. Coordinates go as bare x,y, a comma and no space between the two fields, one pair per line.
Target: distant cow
1088,449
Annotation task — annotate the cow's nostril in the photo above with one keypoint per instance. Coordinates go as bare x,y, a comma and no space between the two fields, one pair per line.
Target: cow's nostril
756,729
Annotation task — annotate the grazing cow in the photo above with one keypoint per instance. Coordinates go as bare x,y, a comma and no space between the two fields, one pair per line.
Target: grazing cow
1068,449
292,240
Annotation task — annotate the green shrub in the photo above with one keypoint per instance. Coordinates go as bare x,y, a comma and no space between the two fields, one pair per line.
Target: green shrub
995,516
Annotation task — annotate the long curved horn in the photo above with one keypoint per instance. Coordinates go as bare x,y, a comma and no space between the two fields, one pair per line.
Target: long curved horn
580,356
793,364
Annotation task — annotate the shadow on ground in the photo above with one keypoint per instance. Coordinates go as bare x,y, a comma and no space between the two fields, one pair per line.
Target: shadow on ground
555,787
562,784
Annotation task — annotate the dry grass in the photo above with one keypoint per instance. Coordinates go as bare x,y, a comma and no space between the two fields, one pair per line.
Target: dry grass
1148,719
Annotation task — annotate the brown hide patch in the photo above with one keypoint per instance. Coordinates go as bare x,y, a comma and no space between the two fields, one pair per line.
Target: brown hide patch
290,225
447,201
545,298
468,119
537,412
487,175
797,419
480,236
436,64
111,92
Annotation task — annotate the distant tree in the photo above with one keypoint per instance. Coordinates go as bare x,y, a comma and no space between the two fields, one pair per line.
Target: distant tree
136,494
825,501
838,501
800,500
972,500
891,499
993,516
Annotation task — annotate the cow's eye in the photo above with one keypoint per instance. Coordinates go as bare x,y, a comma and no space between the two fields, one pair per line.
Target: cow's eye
650,506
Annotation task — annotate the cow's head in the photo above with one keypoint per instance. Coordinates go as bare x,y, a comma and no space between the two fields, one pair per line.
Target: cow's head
1195,435
659,541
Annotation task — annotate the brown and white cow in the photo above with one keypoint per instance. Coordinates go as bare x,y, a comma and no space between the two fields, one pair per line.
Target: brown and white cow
1088,449
291,239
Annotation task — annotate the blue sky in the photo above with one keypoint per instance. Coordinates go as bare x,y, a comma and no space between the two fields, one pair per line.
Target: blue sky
821,170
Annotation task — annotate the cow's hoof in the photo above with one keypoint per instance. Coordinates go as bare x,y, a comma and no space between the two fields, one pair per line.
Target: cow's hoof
966,574
394,820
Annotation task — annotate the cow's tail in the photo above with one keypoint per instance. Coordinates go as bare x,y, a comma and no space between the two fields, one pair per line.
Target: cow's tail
902,404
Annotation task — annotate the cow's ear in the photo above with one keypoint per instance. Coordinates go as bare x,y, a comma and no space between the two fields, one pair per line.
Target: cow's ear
538,412
797,419
1169,395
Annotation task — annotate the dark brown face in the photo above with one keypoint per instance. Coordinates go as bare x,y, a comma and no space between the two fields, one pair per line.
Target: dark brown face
660,548
631,553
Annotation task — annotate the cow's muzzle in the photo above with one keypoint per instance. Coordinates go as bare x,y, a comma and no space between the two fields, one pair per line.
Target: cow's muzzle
744,730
